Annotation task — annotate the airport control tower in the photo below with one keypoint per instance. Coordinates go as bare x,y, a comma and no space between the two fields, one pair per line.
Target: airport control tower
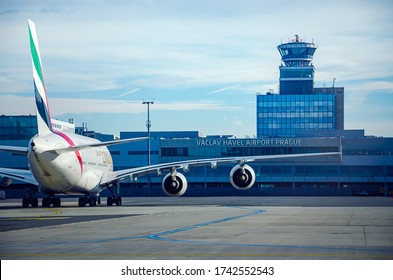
297,71
299,108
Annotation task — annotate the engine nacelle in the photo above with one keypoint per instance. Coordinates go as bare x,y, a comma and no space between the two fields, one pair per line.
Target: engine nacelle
5,181
174,185
242,177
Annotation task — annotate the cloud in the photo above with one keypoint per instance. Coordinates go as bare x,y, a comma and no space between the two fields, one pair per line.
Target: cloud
10,11
222,89
129,92
386,86
237,122
61,106
16,105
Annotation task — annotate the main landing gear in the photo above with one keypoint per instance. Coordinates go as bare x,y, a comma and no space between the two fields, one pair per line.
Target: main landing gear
91,200
48,201
30,200
26,202
33,201
114,199
87,200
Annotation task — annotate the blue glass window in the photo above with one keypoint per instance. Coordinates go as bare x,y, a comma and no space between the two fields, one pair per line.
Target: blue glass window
283,115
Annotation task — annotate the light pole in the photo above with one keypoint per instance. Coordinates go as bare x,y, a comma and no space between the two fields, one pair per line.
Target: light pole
148,125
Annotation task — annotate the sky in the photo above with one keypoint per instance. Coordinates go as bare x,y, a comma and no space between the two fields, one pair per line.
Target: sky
201,61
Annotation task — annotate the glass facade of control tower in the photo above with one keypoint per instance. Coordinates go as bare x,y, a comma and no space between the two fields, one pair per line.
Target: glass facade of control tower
284,115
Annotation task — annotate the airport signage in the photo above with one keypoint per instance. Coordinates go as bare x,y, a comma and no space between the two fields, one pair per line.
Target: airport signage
250,142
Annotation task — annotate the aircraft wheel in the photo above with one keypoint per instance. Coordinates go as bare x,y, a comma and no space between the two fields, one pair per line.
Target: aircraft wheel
113,200
92,201
56,201
34,202
82,202
25,202
45,202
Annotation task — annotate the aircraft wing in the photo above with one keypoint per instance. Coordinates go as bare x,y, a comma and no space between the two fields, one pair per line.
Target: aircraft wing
185,165
14,149
93,145
18,174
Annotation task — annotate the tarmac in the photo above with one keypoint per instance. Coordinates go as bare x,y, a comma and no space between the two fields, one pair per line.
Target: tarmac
206,228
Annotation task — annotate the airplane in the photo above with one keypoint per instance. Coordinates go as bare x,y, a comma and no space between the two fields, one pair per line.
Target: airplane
62,163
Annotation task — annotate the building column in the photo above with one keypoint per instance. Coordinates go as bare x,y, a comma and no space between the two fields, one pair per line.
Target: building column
385,189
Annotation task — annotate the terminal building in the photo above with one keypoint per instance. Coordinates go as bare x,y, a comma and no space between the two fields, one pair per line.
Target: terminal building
299,119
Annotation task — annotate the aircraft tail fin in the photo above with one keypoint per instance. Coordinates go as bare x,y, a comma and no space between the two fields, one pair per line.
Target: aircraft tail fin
43,114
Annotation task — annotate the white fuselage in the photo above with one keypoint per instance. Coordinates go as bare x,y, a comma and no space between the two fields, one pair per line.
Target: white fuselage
70,172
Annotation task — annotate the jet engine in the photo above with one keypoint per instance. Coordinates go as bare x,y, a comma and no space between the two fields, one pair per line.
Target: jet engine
242,177
174,184
5,181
